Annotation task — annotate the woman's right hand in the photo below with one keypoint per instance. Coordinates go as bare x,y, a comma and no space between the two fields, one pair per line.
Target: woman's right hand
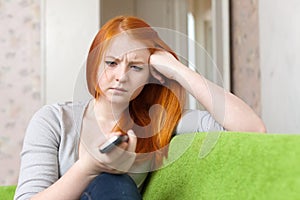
118,160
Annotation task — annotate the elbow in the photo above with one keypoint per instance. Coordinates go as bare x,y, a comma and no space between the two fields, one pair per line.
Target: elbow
260,127
255,127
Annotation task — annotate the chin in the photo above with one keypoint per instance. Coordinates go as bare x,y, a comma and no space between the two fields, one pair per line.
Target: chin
119,100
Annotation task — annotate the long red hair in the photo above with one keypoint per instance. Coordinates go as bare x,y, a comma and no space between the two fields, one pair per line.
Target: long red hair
153,133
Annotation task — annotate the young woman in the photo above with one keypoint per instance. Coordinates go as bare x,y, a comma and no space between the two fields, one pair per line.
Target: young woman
139,88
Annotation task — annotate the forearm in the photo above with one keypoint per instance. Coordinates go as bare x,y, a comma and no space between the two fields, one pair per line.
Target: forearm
69,187
230,111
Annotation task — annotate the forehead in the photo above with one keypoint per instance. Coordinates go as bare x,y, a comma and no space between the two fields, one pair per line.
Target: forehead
123,44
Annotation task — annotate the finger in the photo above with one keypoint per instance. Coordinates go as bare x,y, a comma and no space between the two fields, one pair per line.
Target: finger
117,151
132,141
122,159
123,145
116,133
112,134
157,75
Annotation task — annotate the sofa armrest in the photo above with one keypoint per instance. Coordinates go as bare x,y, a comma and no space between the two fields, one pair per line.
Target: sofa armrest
240,166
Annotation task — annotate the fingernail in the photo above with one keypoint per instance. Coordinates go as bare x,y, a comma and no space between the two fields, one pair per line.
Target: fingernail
130,132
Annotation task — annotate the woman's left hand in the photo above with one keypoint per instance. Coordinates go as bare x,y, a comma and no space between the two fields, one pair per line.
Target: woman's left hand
164,64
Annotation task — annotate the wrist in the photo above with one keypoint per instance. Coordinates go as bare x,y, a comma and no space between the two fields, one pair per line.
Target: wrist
182,74
83,169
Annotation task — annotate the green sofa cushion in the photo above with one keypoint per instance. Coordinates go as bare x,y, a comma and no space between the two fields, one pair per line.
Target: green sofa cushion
240,166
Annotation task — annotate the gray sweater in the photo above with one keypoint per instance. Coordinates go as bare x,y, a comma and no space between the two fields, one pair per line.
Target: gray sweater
51,144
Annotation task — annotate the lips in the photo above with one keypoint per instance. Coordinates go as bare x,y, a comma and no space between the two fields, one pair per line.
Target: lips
119,89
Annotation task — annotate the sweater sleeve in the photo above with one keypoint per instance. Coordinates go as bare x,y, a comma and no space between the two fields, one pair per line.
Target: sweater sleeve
197,121
39,156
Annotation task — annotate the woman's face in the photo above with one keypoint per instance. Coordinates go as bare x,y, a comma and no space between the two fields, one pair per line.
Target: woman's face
124,69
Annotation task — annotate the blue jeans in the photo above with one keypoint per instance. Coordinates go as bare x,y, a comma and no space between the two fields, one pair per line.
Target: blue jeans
111,186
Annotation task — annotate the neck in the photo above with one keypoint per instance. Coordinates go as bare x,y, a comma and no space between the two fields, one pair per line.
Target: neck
107,112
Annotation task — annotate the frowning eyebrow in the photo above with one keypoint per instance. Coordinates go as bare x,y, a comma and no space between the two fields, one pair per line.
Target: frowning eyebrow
140,63
111,57
133,61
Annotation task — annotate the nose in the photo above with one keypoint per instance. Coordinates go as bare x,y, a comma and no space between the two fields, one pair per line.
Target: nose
122,74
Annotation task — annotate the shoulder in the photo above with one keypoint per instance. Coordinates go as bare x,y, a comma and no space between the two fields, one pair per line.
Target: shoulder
57,111
52,118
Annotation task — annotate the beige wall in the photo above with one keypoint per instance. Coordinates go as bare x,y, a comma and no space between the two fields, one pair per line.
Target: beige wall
43,48
20,79
245,68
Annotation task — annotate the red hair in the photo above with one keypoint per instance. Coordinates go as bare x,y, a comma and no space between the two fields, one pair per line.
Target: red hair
153,133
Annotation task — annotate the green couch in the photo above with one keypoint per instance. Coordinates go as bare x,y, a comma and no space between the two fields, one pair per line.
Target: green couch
224,165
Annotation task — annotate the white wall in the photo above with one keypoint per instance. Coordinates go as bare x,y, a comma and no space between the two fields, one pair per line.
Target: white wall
280,64
112,8
69,28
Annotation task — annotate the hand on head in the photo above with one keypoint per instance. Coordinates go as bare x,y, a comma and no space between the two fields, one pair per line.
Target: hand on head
164,64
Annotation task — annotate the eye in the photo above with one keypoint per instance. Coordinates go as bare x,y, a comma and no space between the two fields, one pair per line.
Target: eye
136,68
111,63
